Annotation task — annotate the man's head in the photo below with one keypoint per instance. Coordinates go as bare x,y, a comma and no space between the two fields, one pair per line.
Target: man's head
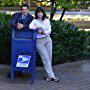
24,8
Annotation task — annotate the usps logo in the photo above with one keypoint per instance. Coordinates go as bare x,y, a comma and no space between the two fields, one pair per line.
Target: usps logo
23,61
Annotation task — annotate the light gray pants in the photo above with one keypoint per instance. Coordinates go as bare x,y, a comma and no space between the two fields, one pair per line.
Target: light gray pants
44,48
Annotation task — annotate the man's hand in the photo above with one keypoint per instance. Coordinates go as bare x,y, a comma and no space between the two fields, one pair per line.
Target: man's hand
19,26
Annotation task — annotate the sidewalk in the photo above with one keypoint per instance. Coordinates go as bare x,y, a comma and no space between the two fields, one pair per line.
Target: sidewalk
73,76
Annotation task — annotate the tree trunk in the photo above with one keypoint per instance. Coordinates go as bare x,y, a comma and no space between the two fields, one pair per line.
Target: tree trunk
53,9
52,13
62,14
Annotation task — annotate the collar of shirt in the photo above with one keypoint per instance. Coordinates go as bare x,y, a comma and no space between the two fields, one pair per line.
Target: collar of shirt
41,20
24,16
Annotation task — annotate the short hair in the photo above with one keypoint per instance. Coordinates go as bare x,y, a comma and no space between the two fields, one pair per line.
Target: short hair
42,10
24,4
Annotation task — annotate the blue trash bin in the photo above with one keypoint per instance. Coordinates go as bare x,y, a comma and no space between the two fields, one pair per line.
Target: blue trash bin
23,52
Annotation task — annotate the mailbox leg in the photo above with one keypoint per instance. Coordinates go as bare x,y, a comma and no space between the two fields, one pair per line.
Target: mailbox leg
32,76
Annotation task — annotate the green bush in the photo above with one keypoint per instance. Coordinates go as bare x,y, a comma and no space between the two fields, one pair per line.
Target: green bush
69,44
87,50
5,37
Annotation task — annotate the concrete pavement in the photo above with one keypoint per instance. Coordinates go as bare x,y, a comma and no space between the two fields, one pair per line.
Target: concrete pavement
73,76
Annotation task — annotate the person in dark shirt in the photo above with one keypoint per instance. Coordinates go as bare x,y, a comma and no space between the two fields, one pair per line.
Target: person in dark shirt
21,21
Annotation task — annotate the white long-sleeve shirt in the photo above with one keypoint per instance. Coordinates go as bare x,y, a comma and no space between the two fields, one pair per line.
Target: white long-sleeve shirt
45,24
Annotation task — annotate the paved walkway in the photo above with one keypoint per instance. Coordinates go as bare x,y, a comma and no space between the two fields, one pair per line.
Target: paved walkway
73,76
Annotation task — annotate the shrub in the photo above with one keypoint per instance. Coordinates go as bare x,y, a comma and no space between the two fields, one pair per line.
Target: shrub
87,50
68,42
5,37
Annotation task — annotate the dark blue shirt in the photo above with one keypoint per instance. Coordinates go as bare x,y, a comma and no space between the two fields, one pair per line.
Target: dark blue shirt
17,18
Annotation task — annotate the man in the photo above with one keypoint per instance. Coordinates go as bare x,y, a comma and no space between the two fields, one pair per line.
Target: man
21,21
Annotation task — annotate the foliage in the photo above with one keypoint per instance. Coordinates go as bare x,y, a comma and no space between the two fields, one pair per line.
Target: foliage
55,4
87,51
8,2
83,4
5,37
68,4
41,2
68,42
64,4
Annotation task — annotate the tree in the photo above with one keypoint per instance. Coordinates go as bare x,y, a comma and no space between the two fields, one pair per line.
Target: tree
53,8
9,2
21,1
66,5
83,4
41,2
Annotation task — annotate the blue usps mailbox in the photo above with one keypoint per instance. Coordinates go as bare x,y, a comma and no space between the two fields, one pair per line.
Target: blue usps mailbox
23,53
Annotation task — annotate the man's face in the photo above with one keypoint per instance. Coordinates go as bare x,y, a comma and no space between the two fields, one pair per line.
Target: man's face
24,10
